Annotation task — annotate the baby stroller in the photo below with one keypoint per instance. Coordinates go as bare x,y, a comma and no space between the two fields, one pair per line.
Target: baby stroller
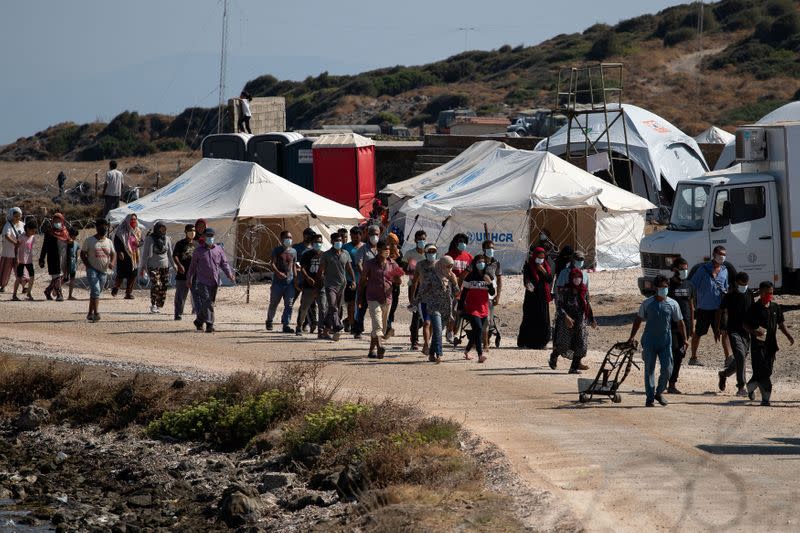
612,373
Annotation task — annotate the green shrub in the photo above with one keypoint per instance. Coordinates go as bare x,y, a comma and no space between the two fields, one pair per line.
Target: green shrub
782,30
331,422
642,24
678,36
384,116
445,101
169,144
191,423
607,45
778,8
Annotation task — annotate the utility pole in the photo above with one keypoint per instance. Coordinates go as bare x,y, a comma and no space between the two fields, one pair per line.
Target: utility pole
466,30
700,51
223,65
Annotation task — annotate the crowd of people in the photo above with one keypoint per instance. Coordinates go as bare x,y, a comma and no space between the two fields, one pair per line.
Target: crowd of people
450,295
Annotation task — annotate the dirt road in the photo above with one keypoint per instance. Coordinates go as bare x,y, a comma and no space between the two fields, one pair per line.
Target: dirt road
708,461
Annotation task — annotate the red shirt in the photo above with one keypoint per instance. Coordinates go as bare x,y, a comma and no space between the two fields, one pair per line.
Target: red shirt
476,301
380,279
461,261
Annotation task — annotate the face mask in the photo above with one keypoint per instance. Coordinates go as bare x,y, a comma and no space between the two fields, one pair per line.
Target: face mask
57,225
766,299
134,223
662,292
287,243
577,281
337,245
462,246
720,259
489,252
317,246
742,288
430,257
480,266
539,260
421,245
210,241
578,263
373,239
683,274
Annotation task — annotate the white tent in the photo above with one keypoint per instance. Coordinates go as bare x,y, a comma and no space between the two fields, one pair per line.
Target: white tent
657,148
715,135
247,205
786,113
517,193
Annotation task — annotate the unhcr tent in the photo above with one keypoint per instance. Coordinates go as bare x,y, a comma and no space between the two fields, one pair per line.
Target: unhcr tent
715,135
246,205
517,193
659,151
786,113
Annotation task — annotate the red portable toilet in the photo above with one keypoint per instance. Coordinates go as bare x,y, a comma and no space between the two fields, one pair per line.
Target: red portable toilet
344,169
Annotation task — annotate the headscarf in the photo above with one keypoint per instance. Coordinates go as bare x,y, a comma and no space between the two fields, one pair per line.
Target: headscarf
63,233
10,214
19,228
564,258
580,289
394,245
124,232
535,271
159,241
441,265
199,236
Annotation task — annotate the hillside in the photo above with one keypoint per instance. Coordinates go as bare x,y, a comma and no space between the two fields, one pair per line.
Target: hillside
750,63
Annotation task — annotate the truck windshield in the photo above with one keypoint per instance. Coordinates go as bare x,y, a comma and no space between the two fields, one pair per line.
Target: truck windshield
689,209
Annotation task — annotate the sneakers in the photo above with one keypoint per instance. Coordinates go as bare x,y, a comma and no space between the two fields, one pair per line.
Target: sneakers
583,367
154,310
210,328
765,403
48,294
432,358
372,355
178,317
299,332
15,298
288,329
649,403
389,334
93,317
114,291
269,325
660,399
742,392
336,335
694,361
198,325
672,389
482,359
129,296
381,352
60,298
574,371
752,395
722,379
449,337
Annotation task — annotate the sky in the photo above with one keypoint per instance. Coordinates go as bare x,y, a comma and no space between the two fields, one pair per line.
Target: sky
87,60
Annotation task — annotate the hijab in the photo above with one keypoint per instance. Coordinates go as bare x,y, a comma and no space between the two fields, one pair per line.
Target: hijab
581,289
535,270
394,246
159,240
441,266
19,227
199,236
63,233
10,214
125,232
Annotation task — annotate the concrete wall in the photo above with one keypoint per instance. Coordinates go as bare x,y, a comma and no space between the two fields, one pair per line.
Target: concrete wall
269,114
465,141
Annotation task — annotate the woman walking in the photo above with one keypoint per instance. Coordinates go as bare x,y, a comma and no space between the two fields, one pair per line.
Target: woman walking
476,291
534,331
155,260
127,241
438,288
573,316
12,230
54,253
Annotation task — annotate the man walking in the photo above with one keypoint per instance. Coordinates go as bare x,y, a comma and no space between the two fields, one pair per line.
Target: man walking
207,261
413,258
98,256
682,291
309,281
112,188
735,306
61,180
284,268
352,248
366,253
659,312
182,258
377,279
310,322
763,320
710,280
336,266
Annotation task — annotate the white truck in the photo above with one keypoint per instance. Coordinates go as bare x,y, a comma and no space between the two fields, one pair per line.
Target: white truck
752,209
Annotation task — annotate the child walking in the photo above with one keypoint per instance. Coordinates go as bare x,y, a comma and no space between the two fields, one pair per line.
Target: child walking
73,253
25,260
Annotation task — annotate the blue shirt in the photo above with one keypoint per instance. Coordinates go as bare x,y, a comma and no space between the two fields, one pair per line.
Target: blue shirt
659,316
708,289
351,249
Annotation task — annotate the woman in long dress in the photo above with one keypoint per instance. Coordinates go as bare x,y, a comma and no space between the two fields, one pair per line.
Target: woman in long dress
534,332
573,316
12,229
54,255
127,241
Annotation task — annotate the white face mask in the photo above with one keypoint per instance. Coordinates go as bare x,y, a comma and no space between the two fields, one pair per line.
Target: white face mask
539,260
577,281
430,256
742,288
683,274
373,239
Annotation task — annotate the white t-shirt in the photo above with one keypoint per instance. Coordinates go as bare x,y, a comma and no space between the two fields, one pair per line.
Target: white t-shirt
14,232
98,252
246,108
114,183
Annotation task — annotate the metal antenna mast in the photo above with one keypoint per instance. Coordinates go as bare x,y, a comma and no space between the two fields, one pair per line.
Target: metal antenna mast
223,65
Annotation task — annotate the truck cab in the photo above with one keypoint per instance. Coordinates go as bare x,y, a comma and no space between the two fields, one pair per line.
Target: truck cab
747,209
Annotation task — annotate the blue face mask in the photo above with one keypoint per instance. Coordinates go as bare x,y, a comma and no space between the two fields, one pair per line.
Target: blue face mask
741,288
578,263
337,245
210,240
462,246
317,246
421,245
662,292
480,266
489,252
430,257
56,225
287,243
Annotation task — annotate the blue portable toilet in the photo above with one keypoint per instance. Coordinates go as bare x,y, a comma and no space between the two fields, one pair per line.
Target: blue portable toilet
226,146
299,162
267,149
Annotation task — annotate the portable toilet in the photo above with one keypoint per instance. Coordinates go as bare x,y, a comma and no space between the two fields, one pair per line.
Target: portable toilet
344,169
226,146
298,162
267,149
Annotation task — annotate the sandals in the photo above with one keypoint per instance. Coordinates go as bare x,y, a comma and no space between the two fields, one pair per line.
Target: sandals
467,356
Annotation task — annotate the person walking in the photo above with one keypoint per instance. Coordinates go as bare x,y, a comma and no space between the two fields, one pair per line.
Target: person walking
127,241
366,253
310,323
309,286
54,252
155,260
200,226
476,292
284,268
244,112
73,253
25,245
734,308
336,267
98,257
208,261
377,281
12,230
61,180
659,312
493,274
413,258
682,291
573,316
182,260
396,255
537,278
352,248
437,291
763,320
112,188
462,259
710,281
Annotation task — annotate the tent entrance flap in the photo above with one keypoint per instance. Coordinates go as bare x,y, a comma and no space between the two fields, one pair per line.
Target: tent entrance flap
573,227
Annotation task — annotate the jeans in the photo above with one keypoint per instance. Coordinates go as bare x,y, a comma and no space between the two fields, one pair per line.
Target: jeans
97,280
379,314
206,296
475,333
281,290
436,334
664,355
740,345
181,291
308,298
333,318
